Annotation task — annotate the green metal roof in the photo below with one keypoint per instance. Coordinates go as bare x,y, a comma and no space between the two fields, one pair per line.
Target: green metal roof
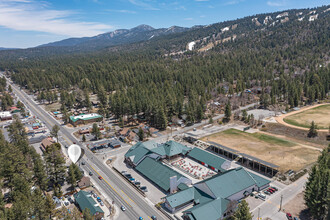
189,194
85,200
182,186
230,182
260,181
157,172
211,210
171,148
181,197
80,117
136,154
208,158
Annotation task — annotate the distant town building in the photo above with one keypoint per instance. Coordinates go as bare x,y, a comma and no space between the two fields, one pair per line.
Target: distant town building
6,116
85,118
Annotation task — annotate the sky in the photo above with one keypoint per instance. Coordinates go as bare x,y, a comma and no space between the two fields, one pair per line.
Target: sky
28,23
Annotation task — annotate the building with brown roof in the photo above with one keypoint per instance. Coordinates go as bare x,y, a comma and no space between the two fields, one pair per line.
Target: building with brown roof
84,182
46,143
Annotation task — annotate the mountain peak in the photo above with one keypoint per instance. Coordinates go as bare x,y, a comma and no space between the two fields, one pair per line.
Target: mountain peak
143,27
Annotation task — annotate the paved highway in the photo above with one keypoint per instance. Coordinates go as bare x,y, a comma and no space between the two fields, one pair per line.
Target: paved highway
115,187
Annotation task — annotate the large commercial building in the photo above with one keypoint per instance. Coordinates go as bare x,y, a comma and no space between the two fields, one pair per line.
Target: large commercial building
215,198
85,118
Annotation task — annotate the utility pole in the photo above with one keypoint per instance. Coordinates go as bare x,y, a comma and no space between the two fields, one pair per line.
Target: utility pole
281,203
258,213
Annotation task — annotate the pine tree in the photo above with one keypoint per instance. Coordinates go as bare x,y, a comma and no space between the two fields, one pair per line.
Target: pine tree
312,130
54,131
83,138
317,192
87,214
243,211
227,112
141,134
96,131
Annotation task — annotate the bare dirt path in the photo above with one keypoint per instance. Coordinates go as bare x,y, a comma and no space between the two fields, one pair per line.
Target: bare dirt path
280,118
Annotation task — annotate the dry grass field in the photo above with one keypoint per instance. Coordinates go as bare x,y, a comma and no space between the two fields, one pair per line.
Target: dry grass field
286,154
320,115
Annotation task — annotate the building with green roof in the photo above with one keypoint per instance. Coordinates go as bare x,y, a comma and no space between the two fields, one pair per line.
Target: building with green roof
161,174
168,150
85,118
210,160
84,200
211,197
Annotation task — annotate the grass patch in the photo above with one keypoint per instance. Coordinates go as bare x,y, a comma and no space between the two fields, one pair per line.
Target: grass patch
273,140
320,115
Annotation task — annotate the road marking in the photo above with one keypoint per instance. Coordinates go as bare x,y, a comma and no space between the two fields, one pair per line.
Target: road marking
128,197
269,202
149,218
111,186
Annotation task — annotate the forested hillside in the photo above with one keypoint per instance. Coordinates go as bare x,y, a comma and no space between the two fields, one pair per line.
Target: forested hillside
287,60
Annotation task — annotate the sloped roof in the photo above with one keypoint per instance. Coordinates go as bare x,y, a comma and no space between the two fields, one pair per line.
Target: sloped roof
84,201
139,150
208,158
171,148
85,117
230,182
211,210
260,180
159,174
187,195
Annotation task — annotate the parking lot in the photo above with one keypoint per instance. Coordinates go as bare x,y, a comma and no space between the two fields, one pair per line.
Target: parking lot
154,194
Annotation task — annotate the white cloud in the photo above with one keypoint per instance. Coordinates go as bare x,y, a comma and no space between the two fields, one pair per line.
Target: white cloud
276,3
233,2
123,11
30,15
143,5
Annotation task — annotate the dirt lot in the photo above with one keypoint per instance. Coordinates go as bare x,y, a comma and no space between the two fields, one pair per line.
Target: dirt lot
303,118
53,107
297,135
286,154
297,207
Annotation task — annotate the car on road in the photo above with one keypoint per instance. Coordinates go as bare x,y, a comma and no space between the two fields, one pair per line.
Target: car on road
100,177
83,163
123,208
153,217
140,218
289,216
90,173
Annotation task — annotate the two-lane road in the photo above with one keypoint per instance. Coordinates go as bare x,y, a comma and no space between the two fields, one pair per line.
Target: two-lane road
112,184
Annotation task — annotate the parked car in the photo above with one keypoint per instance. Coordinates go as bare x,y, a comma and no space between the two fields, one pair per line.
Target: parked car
98,199
266,192
276,189
94,195
153,217
123,172
289,216
83,163
144,188
295,218
140,218
101,203
132,179
70,200
262,196
90,173
123,208
137,183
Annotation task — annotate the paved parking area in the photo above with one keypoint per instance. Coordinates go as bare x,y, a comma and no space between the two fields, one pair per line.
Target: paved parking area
154,194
